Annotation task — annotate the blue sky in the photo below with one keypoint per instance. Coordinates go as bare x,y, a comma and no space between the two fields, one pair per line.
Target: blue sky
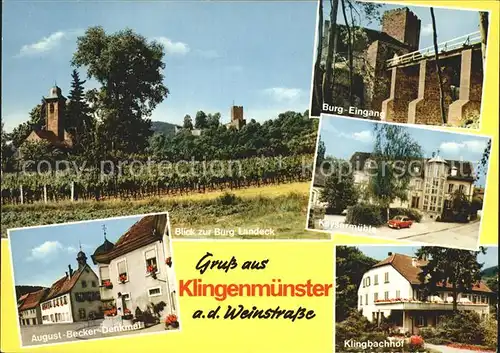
450,23
356,135
41,255
258,54
380,252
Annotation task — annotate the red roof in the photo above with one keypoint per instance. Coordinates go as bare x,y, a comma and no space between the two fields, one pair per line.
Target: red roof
31,300
147,230
50,137
404,265
63,285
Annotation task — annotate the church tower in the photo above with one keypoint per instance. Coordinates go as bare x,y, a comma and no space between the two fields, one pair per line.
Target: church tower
54,112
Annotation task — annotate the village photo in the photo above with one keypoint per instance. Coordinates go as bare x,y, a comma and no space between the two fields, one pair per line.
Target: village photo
397,63
416,299
396,181
147,113
96,279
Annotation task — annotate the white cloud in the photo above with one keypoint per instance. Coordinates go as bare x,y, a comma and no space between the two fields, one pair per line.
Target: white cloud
208,54
365,136
46,251
48,43
474,146
281,94
426,30
171,47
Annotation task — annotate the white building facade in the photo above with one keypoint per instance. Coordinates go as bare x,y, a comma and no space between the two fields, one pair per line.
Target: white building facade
73,298
124,268
390,289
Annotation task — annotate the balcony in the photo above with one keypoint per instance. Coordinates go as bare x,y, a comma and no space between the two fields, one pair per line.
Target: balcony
407,304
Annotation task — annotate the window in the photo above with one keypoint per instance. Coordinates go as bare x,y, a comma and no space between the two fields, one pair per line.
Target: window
360,300
51,107
420,320
150,256
450,188
94,284
84,284
375,280
65,300
386,295
398,294
104,273
375,297
367,281
81,313
154,292
366,299
126,296
52,317
461,188
386,277
122,269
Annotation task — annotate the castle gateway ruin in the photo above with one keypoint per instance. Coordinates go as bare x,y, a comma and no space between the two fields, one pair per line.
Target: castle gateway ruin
392,75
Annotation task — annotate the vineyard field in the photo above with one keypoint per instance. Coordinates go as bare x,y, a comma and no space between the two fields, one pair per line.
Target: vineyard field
154,181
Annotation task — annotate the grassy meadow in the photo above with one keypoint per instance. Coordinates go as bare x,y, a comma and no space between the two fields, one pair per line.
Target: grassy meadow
280,207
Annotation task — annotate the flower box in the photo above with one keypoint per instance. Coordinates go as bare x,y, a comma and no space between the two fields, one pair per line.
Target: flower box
168,261
107,284
122,278
171,322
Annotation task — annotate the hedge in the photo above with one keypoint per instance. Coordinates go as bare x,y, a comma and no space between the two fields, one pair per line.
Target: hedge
364,214
412,213
374,215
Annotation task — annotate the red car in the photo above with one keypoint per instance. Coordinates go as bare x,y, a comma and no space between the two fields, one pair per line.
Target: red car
399,222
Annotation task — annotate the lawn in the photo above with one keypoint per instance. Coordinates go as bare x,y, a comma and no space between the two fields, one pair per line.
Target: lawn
280,207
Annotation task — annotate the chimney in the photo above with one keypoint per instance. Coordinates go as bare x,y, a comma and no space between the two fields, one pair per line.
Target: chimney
389,253
70,271
66,273
414,261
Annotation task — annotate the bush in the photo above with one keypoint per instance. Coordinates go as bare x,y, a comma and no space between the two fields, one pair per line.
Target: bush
416,344
428,332
438,340
490,331
315,213
363,214
412,213
462,327
228,199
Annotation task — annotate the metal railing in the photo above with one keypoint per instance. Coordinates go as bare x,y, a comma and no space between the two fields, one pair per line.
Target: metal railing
456,43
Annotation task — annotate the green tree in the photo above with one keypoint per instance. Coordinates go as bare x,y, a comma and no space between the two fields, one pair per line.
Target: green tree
340,191
446,266
390,172
213,120
8,161
36,122
188,122
32,153
79,122
130,70
320,154
200,121
351,264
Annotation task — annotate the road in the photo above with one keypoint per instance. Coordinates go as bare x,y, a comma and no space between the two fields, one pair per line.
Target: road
458,235
446,349
59,333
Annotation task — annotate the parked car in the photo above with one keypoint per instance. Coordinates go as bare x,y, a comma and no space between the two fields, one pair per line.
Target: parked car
399,222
